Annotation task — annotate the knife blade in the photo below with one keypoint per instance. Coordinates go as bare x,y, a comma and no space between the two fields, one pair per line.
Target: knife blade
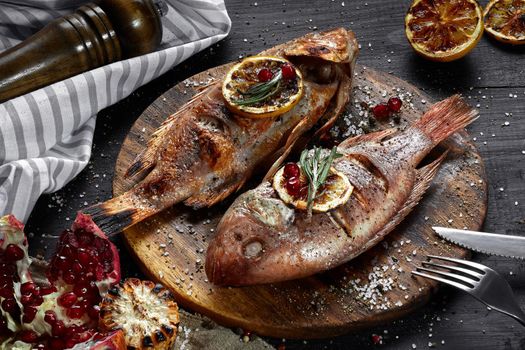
482,242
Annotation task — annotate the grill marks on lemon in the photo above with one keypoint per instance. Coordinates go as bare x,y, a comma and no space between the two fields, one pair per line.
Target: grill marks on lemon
262,87
444,30
505,21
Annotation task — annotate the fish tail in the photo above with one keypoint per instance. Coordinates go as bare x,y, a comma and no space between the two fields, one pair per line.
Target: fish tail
119,213
445,118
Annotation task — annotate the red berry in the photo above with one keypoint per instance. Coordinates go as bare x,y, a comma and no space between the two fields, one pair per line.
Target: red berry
264,75
394,104
28,336
67,299
293,186
291,170
381,111
13,253
288,71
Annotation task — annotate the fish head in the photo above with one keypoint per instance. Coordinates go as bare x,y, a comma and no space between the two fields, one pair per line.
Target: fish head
248,239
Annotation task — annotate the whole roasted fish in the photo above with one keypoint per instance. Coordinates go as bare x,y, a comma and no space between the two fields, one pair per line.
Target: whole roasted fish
261,240
203,153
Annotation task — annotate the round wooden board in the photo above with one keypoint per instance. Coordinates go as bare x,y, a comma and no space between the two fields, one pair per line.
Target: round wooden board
171,247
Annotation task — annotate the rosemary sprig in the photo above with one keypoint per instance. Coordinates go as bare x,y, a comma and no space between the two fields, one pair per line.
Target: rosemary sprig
316,169
261,91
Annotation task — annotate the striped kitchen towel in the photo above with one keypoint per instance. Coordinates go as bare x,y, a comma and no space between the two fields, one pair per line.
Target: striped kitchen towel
46,135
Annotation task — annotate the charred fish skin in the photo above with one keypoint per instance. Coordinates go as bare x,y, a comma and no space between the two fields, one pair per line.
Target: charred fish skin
261,240
203,153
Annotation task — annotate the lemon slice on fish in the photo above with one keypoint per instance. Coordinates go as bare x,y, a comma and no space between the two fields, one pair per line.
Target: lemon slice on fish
336,190
262,87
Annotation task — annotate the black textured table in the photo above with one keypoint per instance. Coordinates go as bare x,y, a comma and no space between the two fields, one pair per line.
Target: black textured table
492,77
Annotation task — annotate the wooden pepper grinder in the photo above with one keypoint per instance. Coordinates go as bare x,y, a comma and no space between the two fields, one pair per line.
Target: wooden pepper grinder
94,35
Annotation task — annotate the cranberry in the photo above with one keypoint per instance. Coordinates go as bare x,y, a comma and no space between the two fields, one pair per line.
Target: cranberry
381,111
291,170
13,253
288,71
264,75
394,104
293,186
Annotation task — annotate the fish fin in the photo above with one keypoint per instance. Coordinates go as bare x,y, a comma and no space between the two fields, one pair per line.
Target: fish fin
212,196
343,96
119,213
146,160
373,136
424,178
296,133
445,118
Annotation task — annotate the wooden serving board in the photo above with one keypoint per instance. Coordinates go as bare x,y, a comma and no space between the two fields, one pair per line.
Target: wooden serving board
171,247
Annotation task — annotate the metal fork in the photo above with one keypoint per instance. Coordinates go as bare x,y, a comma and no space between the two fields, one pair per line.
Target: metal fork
478,280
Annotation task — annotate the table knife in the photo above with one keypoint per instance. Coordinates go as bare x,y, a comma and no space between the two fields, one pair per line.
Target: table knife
488,243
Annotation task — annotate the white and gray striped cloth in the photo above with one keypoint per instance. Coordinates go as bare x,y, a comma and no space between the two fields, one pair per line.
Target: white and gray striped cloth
46,135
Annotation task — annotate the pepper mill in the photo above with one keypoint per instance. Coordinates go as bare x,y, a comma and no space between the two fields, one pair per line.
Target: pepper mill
94,35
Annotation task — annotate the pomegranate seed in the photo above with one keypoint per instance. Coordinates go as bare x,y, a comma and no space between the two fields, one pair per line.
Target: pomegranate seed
394,104
26,299
80,290
288,71
381,111
67,299
61,262
94,312
6,292
291,170
84,239
83,257
69,277
13,253
10,305
50,317
264,75
75,312
58,328
56,344
70,343
77,267
28,336
29,288
29,314
293,186
46,290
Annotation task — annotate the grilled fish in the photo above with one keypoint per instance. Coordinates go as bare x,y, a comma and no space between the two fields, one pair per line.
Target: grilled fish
203,152
262,240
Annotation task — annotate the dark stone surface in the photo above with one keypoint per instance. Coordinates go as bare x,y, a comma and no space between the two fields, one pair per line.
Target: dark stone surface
488,75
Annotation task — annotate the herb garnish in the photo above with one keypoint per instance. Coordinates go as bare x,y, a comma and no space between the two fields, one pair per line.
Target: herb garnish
316,169
260,91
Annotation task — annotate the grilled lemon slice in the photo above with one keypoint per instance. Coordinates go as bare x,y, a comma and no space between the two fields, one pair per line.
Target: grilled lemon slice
505,21
262,87
334,192
444,30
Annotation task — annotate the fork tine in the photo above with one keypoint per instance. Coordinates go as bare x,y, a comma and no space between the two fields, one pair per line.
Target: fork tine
470,273
461,279
443,280
482,268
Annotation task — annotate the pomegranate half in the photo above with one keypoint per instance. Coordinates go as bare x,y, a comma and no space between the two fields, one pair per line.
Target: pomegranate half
54,305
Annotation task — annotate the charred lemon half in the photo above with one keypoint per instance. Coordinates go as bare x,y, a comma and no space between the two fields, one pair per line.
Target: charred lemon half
444,30
262,87
293,190
505,21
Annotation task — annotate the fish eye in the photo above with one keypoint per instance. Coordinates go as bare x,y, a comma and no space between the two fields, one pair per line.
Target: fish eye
253,249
